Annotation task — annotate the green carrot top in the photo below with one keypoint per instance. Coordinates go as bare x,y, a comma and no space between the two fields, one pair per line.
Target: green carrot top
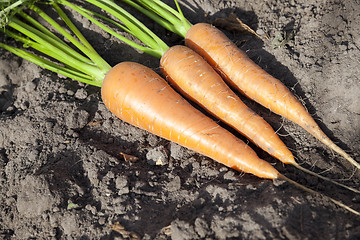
79,61
171,19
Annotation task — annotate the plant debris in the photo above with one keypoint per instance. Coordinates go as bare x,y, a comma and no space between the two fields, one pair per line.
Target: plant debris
129,158
233,24
117,227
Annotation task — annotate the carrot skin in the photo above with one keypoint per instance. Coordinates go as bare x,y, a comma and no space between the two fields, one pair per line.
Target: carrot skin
139,96
239,71
190,74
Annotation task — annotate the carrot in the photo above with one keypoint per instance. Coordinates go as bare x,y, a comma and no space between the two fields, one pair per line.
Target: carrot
139,96
190,74
133,92
237,69
194,77
241,72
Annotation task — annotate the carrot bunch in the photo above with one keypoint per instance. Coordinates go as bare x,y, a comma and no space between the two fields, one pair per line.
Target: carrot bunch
195,79
139,96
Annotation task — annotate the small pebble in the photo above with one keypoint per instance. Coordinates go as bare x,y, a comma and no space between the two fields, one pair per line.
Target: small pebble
343,47
81,94
30,86
62,90
102,221
224,169
260,32
229,176
157,156
70,92
88,207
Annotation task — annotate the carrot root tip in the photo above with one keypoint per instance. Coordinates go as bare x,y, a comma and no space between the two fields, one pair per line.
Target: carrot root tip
326,178
338,203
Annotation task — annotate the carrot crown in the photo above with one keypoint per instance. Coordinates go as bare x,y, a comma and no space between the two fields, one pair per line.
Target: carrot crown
125,21
163,14
51,52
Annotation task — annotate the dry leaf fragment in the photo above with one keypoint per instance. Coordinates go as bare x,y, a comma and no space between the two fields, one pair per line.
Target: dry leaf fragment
129,158
96,123
166,230
124,233
233,24
164,233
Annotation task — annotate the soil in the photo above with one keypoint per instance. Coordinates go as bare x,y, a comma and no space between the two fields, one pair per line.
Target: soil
69,169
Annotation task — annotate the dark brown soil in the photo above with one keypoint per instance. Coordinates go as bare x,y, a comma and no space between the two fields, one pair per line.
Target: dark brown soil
62,174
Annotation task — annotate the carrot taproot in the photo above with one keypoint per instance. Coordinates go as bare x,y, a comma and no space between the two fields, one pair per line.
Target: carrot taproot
189,73
250,79
133,92
139,96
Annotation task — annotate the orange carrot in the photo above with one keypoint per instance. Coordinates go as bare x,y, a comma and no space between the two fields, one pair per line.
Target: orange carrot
242,73
139,96
131,91
259,86
189,73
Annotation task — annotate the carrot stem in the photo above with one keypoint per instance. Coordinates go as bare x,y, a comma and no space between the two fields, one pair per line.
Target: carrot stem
84,66
156,47
163,14
50,65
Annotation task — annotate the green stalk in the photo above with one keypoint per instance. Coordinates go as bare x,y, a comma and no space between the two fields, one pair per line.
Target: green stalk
37,46
89,68
40,37
51,66
5,11
61,30
138,29
87,14
163,14
40,27
154,45
91,53
51,49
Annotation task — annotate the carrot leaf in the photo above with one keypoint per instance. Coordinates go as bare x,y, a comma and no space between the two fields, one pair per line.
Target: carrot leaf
81,63
126,22
163,14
